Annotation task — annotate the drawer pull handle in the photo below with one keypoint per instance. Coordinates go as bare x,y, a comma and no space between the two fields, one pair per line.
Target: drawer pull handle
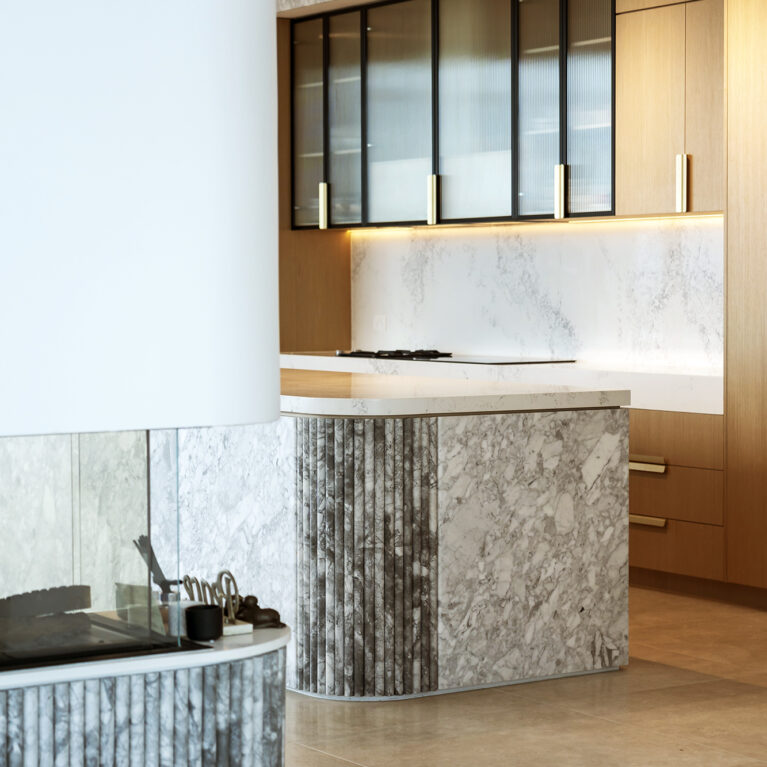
639,519
649,463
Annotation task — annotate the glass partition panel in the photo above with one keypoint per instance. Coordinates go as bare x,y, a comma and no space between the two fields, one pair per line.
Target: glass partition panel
308,130
75,554
475,108
399,110
589,105
345,119
538,105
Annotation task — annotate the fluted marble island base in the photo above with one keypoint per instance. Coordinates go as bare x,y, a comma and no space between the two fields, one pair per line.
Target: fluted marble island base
448,552
224,706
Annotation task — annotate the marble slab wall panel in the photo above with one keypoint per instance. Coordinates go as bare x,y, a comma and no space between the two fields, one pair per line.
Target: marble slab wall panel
367,556
236,497
227,714
36,545
533,545
113,512
627,293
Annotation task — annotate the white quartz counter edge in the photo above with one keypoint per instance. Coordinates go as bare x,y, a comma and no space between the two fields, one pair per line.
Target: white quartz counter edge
698,392
452,405
225,650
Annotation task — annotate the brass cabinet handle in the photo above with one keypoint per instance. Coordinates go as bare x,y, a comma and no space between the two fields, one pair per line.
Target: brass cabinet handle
652,464
559,191
431,199
682,170
323,205
640,519
650,468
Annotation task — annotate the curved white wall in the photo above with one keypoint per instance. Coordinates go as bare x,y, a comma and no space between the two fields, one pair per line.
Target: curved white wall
138,214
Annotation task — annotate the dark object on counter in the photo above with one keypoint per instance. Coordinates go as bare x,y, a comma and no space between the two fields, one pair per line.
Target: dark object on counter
260,617
31,633
62,599
158,576
204,623
395,354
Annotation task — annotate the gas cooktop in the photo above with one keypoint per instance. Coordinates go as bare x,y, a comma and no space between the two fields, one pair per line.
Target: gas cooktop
396,354
432,355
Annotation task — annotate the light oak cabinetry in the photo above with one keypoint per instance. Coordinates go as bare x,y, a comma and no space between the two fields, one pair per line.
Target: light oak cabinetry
669,108
622,6
746,265
676,493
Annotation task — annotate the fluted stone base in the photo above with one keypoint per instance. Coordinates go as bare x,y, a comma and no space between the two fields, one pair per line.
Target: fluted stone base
227,715
460,551
367,556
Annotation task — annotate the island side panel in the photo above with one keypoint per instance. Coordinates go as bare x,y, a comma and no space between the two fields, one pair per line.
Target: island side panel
533,545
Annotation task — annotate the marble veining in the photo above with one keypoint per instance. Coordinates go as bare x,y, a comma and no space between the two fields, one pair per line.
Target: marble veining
367,548
533,542
235,491
700,391
627,293
230,714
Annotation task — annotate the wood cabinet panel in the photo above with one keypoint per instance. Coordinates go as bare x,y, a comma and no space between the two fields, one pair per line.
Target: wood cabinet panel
704,104
682,439
622,6
691,495
746,347
649,108
684,548
315,266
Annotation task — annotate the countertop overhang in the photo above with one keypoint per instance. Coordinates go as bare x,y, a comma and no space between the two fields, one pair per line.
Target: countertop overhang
224,650
360,395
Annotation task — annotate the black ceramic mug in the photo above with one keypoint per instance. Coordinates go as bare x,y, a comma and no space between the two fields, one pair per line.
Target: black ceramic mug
204,622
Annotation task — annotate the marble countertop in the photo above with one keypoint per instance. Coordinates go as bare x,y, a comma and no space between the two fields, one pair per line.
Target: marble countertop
690,391
224,650
343,394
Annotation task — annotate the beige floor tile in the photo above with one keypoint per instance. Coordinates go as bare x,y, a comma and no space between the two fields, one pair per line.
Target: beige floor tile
534,735
640,675
297,755
694,693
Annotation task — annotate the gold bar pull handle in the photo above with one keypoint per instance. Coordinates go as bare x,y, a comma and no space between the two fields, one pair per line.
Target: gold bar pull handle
640,519
682,169
432,184
559,191
323,205
652,464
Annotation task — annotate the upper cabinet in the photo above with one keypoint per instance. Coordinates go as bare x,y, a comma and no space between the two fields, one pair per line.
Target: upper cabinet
669,131
428,111
475,109
399,111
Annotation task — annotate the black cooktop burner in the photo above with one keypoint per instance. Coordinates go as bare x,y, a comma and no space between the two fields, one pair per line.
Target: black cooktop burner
396,354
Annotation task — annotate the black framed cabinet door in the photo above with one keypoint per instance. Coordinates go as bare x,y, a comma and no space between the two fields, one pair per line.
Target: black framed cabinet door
475,109
398,111
308,121
590,106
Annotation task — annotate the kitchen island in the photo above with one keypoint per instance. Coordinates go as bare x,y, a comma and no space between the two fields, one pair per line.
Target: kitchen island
450,534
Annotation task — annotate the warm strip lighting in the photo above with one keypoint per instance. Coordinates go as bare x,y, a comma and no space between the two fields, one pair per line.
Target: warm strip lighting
540,223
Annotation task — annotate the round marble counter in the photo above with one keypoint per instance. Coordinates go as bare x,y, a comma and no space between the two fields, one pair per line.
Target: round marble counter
225,650
361,395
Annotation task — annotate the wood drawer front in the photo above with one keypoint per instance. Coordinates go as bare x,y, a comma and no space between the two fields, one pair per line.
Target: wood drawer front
690,495
622,6
684,548
682,439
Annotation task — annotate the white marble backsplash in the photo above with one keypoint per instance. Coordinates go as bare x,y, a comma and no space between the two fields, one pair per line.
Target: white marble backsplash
640,294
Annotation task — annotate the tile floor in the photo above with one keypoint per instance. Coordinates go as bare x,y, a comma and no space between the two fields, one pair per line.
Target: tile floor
694,693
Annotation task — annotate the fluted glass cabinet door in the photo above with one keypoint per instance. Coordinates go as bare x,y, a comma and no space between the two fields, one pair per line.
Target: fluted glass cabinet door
399,112
539,113
308,136
345,119
589,106
475,108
